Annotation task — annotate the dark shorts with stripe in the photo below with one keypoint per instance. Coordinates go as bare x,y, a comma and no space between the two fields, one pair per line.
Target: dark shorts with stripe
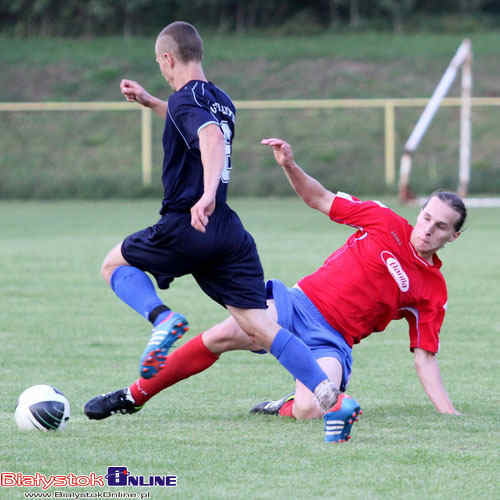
223,260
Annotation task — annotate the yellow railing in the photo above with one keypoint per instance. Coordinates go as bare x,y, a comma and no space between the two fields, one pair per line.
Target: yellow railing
388,105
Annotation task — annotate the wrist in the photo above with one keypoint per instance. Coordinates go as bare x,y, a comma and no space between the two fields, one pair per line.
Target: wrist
289,166
209,195
150,101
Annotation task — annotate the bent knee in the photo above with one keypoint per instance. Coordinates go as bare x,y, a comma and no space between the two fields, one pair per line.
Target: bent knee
107,270
113,259
306,411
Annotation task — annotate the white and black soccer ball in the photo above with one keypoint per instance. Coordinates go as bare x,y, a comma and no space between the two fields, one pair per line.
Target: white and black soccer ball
42,407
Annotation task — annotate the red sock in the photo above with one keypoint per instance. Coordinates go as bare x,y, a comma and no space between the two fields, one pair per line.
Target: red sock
189,359
286,409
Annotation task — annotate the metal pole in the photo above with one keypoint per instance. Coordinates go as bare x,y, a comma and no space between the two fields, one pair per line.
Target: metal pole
440,91
146,139
465,125
390,170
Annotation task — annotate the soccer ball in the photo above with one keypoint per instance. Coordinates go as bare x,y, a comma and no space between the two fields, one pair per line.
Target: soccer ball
42,407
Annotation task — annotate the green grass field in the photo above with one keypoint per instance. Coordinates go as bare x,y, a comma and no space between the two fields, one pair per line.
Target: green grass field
60,324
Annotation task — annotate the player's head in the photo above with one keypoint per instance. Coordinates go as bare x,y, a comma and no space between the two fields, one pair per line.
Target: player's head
439,222
177,43
453,201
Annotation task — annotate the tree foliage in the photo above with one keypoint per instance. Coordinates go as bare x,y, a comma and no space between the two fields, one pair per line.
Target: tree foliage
143,17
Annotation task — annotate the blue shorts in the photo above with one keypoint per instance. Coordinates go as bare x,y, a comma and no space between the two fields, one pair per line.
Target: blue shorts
300,316
223,260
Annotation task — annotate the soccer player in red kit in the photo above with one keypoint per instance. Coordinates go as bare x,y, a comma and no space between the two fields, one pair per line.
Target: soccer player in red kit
386,270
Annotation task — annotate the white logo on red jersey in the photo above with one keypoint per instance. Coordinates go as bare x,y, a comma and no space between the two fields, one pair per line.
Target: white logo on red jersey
396,270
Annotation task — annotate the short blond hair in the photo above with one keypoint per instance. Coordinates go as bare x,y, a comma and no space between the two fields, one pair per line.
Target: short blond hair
183,40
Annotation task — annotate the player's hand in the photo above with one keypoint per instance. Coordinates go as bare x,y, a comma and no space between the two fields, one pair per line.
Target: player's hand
283,153
134,92
201,211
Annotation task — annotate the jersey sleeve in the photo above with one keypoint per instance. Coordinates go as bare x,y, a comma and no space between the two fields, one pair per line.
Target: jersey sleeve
347,209
189,118
424,328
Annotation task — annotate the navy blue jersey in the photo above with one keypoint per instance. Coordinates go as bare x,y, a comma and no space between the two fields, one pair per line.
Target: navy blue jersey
192,107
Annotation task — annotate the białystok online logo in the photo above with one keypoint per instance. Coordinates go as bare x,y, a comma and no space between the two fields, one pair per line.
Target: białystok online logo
116,476
120,476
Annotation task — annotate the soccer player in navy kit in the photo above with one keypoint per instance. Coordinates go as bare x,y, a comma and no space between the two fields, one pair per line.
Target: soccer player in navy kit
198,233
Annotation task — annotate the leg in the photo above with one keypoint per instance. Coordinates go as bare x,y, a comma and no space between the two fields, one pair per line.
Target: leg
223,337
197,355
228,336
302,404
134,287
259,325
338,420
191,358
289,350
113,259
305,405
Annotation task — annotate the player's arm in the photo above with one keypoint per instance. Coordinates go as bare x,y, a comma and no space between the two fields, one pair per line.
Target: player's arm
212,149
308,188
134,92
429,374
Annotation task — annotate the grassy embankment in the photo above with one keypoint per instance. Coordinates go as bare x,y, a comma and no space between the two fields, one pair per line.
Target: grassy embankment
97,154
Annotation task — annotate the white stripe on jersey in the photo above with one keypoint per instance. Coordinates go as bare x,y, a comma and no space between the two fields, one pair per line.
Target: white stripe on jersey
346,196
178,130
415,313
194,95
205,124
415,254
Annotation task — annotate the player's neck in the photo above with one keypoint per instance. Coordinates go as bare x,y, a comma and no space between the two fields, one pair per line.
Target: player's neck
188,72
427,256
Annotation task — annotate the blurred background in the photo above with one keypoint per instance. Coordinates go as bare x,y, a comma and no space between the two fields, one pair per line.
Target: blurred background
76,51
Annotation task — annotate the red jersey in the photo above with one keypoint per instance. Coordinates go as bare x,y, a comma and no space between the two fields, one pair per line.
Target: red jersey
377,276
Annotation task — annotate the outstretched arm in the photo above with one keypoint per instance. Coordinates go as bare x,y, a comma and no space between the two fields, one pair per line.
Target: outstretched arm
134,92
429,374
308,188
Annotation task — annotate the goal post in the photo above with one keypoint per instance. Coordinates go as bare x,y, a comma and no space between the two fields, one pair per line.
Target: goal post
462,59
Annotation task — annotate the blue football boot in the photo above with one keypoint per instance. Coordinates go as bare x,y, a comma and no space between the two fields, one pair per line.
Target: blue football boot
339,419
162,338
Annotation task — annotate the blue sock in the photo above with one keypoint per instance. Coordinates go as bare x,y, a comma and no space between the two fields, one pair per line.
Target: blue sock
297,358
136,289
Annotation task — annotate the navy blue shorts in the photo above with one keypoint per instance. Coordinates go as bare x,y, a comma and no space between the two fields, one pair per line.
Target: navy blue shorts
223,260
301,317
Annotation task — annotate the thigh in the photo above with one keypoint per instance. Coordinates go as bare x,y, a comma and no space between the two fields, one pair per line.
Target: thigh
258,325
155,249
227,336
233,276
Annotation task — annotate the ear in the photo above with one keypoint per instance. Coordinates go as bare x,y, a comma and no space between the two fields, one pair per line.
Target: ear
169,58
454,236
